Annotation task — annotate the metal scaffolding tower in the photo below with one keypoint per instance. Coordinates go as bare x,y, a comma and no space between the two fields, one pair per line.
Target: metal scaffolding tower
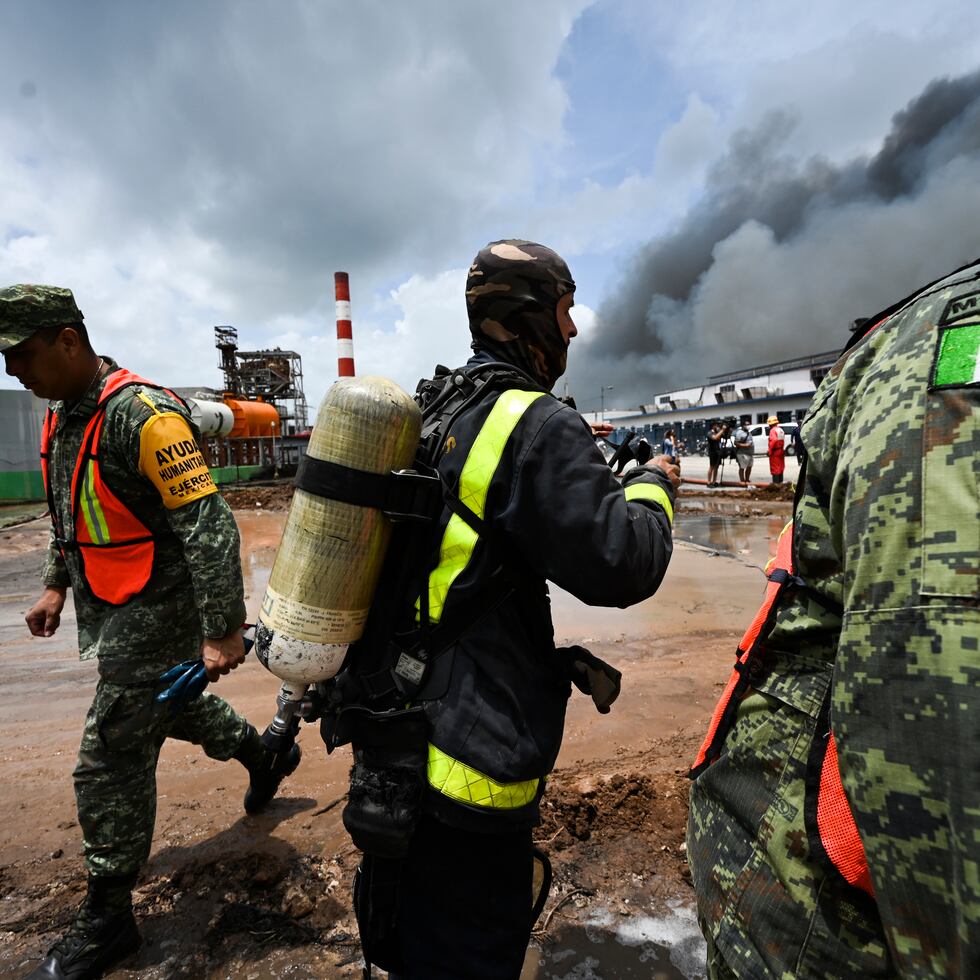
275,376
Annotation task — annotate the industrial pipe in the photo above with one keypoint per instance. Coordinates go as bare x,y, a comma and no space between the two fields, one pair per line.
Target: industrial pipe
212,418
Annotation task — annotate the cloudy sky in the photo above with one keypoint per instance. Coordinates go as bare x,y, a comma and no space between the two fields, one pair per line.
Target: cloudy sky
730,182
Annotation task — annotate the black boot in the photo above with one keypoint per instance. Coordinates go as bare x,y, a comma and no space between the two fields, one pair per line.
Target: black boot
266,769
104,931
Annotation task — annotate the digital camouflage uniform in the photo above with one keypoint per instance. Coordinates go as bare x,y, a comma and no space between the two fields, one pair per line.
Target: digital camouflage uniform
195,590
887,527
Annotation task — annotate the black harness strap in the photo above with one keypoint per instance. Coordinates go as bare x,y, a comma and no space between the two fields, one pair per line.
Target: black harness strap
783,577
404,495
411,664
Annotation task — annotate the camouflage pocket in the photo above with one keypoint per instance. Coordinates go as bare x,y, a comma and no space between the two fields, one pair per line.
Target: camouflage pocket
795,678
124,716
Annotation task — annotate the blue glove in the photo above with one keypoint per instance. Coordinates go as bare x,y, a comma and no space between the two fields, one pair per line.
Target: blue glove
186,681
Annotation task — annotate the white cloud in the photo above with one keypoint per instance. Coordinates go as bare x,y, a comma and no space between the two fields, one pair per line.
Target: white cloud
185,164
841,67
604,217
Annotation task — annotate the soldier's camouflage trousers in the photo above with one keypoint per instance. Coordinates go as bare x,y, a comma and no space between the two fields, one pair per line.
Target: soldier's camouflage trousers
115,778
764,905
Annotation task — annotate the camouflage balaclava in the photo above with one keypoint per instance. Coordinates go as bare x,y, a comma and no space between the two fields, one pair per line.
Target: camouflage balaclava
512,294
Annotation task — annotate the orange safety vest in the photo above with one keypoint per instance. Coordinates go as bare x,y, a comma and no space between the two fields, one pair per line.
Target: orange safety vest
831,829
115,548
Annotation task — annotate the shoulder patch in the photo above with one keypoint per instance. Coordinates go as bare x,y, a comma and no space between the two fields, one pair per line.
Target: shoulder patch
171,460
967,305
956,363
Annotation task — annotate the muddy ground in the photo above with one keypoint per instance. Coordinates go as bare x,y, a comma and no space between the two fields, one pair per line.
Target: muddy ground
226,895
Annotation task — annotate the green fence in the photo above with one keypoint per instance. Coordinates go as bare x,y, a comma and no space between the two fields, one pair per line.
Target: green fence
27,485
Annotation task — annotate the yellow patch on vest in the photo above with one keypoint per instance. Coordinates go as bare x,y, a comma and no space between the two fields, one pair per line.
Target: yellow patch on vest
171,460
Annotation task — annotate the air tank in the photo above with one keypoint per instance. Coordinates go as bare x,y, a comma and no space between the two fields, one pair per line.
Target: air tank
326,571
212,418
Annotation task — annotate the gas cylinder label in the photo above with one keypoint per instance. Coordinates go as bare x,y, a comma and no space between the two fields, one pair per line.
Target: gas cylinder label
311,623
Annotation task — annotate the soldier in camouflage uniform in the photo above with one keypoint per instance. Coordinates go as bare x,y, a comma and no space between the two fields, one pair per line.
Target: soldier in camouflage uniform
192,604
879,648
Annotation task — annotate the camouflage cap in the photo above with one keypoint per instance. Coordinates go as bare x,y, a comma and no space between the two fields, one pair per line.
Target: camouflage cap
512,292
25,309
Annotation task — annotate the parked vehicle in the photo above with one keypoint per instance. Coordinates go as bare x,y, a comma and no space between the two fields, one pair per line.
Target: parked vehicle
760,438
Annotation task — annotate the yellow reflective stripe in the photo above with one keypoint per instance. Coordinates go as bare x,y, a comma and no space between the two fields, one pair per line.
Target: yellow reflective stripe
95,522
467,785
651,491
459,539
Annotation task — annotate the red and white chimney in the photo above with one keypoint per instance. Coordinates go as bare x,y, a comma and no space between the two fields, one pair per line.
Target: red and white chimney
345,334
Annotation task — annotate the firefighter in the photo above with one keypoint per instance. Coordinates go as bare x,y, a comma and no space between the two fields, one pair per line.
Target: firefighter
150,551
529,500
777,450
835,814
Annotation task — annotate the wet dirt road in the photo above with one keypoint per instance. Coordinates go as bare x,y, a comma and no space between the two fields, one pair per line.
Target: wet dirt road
230,895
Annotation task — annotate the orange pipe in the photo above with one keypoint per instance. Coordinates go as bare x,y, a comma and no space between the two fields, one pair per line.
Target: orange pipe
727,483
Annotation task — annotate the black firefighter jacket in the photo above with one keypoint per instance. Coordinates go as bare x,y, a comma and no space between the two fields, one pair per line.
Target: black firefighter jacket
528,466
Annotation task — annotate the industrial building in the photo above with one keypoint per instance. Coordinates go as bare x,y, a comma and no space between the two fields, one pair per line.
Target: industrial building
783,389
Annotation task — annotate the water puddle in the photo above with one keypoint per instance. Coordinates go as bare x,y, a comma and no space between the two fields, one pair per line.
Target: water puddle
751,538
609,947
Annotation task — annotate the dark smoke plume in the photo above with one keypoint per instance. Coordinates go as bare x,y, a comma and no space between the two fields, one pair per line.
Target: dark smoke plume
779,255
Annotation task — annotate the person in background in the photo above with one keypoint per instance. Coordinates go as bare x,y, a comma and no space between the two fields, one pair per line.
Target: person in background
669,448
715,437
744,450
777,450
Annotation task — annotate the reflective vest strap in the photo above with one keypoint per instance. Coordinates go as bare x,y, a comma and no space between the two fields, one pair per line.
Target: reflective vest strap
47,431
835,824
120,379
724,713
721,718
105,518
653,492
79,474
464,784
459,539
90,506
830,826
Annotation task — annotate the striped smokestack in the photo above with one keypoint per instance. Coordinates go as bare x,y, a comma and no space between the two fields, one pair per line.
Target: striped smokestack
345,335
